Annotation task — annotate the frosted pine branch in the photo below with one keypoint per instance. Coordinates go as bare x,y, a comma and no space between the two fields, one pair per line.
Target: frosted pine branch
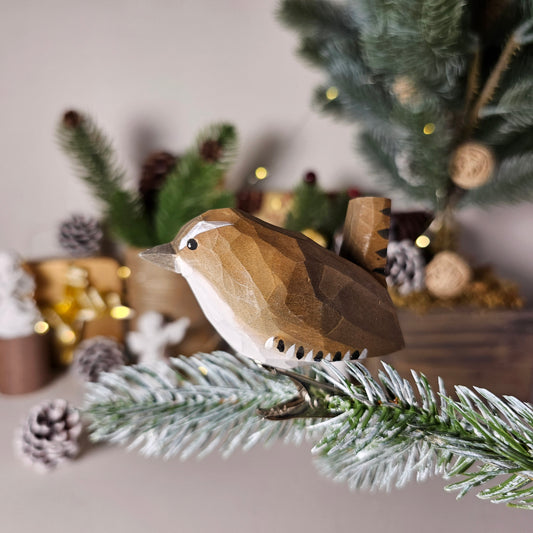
382,432
390,432
191,407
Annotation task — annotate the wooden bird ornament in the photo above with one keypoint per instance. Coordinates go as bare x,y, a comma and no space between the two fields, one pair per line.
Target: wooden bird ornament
278,297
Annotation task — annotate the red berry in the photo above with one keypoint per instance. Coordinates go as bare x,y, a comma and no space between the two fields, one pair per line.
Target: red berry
310,178
354,193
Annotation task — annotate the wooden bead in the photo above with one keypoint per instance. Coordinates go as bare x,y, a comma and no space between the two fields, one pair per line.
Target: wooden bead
405,91
472,165
447,275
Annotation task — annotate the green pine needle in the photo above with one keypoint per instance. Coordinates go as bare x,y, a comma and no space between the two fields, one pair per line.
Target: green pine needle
191,407
383,431
399,66
95,163
191,188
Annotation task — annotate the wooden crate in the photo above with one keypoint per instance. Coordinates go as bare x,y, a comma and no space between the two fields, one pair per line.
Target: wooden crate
492,349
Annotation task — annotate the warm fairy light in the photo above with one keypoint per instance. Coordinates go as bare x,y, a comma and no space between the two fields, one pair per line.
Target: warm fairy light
261,173
422,241
120,312
429,128
123,272
41,327
66,335
332,93
203,370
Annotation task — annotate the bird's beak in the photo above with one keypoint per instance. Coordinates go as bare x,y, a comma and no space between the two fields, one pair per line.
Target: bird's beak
163,256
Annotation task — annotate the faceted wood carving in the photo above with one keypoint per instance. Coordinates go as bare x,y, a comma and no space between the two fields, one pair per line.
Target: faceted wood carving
276,296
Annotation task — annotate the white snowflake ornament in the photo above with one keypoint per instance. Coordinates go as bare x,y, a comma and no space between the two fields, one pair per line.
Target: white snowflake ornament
153,336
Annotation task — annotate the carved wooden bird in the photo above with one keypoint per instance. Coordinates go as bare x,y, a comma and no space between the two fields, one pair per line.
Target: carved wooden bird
278,297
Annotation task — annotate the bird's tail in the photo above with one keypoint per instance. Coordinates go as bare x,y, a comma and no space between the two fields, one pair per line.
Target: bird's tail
366,234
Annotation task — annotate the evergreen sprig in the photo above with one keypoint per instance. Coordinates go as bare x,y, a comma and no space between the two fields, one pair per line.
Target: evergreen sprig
95,162
382,431
314,209
193,186
193,406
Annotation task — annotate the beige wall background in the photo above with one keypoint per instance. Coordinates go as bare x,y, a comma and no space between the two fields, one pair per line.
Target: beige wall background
152,73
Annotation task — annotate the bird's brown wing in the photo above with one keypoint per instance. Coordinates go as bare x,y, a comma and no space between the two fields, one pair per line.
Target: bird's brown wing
339,303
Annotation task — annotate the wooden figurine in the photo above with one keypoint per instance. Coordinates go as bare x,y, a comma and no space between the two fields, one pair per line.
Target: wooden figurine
278,297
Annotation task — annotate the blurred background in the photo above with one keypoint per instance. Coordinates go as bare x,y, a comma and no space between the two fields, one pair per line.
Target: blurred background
152,74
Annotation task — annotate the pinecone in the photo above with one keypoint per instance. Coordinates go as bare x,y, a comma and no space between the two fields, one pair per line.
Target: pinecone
154,172
72,119
405,265
49,435
96,355
211,151
80,235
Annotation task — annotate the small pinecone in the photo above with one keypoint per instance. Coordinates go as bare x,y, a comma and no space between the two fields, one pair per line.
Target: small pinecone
96,355
80,235
49,435
211,151
405,265
153,175
72,119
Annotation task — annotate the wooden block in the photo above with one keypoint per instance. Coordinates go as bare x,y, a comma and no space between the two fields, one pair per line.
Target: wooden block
492,349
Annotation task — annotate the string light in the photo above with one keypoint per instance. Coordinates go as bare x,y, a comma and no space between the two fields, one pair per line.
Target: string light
422,241
332,93
117,310
429,128
66,335
261,173
120,312
41,327
123,272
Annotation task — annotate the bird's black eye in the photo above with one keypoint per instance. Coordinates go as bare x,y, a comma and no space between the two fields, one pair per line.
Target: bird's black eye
192,244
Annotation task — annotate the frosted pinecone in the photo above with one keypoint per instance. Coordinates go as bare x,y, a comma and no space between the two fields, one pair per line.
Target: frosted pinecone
405,265
50,435
96,355
80,235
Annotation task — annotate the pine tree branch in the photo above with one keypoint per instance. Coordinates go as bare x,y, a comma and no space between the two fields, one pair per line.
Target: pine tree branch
388,433
318,17
95,162
193,406
192,187
383,433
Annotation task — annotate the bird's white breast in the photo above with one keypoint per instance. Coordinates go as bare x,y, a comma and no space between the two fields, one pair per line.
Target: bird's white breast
224,320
